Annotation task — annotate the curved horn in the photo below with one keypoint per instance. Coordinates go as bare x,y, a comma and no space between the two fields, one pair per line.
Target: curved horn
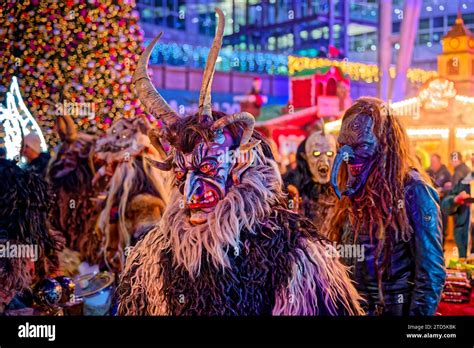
166,165
154,103
71,130
244,117
205,105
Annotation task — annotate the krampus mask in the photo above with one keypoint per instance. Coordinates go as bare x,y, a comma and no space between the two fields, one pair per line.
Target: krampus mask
358,150
226,244
204,169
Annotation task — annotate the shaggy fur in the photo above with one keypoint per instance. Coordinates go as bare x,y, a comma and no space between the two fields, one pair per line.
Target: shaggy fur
129,206
72,200
24,204
251,257
133,181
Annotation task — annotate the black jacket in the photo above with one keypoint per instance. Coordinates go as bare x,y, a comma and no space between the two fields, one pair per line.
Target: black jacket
413,283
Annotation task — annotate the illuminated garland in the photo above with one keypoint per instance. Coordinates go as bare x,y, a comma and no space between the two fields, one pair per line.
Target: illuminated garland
74,51
356,71
229,59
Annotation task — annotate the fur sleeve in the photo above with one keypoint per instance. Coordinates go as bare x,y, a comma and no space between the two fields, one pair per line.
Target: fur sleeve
320,285
140,287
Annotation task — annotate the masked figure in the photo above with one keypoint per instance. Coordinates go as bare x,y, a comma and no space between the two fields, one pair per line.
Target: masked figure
135,193
70,176
226,244
389,210
311,179
28,249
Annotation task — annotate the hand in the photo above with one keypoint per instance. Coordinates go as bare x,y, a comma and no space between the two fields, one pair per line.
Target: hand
448,186
461,197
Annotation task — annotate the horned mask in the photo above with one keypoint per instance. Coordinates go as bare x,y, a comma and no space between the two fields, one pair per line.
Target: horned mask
208,152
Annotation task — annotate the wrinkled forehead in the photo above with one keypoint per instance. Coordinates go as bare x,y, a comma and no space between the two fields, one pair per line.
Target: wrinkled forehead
222,143
356,128
318,141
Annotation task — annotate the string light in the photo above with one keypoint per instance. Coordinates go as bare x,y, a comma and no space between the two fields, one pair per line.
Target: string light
76,51
356,71
428,132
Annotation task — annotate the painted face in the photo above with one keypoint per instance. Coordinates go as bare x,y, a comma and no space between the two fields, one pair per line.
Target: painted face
319,153
358,149
203,176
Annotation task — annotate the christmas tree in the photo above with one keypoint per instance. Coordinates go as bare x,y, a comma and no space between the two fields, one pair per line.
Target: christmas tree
74,56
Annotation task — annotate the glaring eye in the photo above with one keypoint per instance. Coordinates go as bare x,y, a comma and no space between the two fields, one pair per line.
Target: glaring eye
180,174
329,153
207,167
114,131
316,153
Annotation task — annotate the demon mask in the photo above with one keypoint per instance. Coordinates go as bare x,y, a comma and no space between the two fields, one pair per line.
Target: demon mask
358,150
206,150
75,147
320,150
124,139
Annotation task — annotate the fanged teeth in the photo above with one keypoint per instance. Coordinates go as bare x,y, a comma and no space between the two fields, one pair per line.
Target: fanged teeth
209,198
356,168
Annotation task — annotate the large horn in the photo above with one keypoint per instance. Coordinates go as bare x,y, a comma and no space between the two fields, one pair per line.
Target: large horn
148,95
205,105
166,165
71,130
344,153
246,118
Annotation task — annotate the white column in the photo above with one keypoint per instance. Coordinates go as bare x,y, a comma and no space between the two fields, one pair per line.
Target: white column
409,27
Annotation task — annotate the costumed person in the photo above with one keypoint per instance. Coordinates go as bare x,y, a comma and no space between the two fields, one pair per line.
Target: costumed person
28,249
226,244
389,211
37,161
458,203
136,192
70,175
311,180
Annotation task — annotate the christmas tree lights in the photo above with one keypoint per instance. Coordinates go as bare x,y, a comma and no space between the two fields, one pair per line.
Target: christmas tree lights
74,51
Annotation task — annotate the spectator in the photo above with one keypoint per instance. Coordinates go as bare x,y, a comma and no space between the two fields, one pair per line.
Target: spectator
440,175
457,203
460,168
37,160
441,178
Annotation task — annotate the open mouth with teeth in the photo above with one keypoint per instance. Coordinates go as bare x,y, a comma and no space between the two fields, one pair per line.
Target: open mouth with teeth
355,169
323,170
207,200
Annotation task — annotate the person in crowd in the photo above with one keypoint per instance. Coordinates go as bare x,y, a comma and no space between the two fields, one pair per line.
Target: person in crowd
440,175
37,160
389,210
457,203
441,178
460,168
